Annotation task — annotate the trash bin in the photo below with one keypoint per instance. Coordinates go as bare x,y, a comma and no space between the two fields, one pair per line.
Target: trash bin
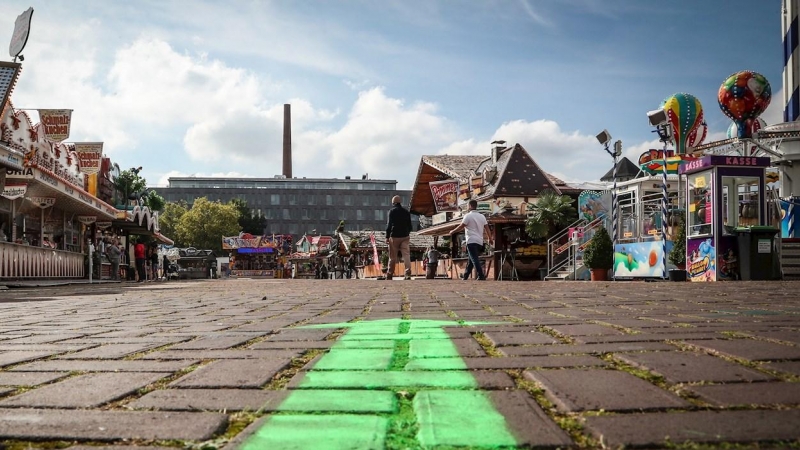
756,252
542,273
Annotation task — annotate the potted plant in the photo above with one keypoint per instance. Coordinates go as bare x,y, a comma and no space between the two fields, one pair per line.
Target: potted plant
599,255
677,255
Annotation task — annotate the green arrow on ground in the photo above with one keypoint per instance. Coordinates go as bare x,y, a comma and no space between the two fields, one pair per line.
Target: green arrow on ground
352,394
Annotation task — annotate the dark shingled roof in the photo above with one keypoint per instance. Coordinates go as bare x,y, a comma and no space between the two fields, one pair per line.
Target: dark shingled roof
626,170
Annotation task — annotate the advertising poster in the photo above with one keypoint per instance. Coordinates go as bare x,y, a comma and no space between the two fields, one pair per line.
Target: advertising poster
591,205
701,260
445,195
90,155
56,123
790,212
641,259
728,259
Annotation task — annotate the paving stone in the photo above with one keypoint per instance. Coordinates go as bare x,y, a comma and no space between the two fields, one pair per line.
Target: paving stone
110,351
792,367
212,343
13,378
783,335
50,424
350,400
241,373
55,348
749,349
585,330
10,358
221,354
646,337
300,345
657,429
210,400
526,420
106,366
355,359
575,390
300,432
532,362
688,367
298,334
778,393
560,349
83,391
518,338
118,447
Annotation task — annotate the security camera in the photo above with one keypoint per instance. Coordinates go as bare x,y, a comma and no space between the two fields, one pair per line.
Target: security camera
604,137
657,117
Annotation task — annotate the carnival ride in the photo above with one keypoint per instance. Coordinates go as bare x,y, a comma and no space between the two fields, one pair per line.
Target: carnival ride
647,206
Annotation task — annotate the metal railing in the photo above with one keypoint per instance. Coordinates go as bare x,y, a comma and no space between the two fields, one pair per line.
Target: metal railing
24,261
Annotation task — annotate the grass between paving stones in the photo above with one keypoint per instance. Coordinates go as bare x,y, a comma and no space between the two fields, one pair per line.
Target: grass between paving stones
403,427
729,446
161,383
555,334
487,344
741,361
282,378
25,445
625,330
571,423
137,355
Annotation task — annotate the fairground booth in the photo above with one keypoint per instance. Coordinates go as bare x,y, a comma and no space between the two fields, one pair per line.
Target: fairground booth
49,208
504,184
258,256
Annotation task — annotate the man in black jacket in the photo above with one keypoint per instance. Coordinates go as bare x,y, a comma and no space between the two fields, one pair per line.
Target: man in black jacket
397,230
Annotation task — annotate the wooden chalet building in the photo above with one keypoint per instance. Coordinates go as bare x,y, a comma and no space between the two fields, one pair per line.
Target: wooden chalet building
504,184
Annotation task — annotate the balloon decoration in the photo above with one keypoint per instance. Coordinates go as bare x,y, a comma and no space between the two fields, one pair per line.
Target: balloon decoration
698,135
743,96
733,131
685,114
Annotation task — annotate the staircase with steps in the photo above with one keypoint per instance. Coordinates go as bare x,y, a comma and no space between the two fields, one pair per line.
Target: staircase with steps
790,259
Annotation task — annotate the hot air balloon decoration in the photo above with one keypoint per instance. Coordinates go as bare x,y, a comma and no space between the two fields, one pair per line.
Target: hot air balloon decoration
685,115
743,96
733,131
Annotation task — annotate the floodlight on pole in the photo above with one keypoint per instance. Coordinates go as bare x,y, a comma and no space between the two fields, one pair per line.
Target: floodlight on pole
658,119
604,138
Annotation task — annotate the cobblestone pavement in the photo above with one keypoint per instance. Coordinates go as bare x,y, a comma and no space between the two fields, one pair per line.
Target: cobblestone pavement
403,364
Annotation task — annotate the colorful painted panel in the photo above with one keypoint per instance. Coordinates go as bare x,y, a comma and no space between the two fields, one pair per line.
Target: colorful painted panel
591,205
701,261
640,259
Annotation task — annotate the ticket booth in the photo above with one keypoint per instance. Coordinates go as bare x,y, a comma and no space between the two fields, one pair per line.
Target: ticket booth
727,237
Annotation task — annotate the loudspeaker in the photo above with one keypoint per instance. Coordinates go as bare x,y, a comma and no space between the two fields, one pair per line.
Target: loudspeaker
604,137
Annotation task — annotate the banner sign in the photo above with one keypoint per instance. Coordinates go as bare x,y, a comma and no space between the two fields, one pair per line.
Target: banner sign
375,259
90,155
14,191
43,202
22,28
87,220
445,195
103,225
56,123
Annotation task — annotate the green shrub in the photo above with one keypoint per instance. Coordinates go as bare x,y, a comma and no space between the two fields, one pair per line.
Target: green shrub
599,253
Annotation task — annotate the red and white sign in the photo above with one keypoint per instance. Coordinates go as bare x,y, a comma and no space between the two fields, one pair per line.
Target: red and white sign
14,191
87,220
90,155
56,123
445,195
43,202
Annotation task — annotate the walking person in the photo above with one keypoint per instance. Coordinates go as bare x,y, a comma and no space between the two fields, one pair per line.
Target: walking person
154,261
476,226
113,252
398,229
140,254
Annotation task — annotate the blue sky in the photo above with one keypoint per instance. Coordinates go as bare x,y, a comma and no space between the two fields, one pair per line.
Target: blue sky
198,87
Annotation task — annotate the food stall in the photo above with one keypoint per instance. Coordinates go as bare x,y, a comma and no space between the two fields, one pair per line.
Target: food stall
257,256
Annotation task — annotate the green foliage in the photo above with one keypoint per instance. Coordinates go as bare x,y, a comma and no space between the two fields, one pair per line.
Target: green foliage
677,255
128,183
206,223
169,218
599,253
549,214
154,201
249,222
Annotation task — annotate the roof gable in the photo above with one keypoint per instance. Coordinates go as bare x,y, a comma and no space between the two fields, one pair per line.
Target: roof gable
521,176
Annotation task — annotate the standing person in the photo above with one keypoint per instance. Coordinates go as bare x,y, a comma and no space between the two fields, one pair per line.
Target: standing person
398,229
154,261
351,267
113,252
165,268
433,263
476,226
139,254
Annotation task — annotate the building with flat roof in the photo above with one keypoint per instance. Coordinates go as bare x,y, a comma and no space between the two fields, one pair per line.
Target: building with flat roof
297,206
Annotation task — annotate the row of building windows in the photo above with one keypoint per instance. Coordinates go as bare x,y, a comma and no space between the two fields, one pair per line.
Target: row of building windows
256,201
321,214
282,184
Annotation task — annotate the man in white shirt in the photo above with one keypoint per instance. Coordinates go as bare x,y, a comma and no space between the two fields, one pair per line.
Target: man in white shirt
476,226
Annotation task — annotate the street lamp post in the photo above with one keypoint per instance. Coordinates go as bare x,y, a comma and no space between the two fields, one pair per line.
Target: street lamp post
658,119
605,138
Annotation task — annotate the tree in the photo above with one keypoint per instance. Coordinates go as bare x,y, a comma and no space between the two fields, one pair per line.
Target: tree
128,184
207,222
169,218
678,253
549,214
249,222
599,253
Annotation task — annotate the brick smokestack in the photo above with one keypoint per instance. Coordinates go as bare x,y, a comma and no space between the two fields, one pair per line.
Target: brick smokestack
287,140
